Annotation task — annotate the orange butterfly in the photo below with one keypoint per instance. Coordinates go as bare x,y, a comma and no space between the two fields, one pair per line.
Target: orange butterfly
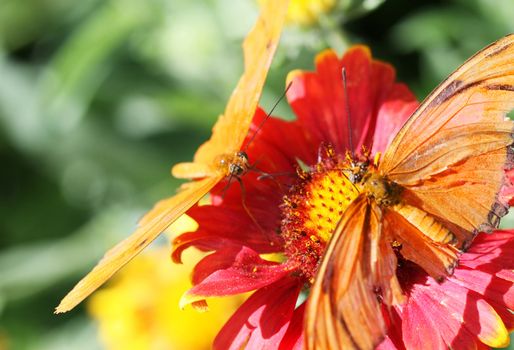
434,189
216,159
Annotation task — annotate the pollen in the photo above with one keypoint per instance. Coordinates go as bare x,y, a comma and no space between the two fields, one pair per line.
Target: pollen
325,198
312,210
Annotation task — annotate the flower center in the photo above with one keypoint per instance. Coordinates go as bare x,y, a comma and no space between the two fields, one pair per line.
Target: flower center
312,210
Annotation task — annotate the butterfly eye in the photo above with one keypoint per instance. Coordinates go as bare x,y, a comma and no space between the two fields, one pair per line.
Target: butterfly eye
242,155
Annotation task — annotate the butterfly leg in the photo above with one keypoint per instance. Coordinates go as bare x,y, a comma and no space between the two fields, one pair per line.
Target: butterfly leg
224,192
245,207
264,175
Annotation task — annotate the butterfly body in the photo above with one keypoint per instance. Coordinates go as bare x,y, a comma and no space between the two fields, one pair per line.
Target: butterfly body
236,164
383,191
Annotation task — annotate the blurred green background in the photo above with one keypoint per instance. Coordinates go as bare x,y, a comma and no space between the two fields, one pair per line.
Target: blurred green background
99,98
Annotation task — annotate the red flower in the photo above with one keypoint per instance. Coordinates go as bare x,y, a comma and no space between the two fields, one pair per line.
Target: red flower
466,309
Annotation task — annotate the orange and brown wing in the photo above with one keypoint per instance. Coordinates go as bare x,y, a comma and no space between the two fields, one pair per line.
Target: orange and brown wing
343,311
154,222
231,128
421,239
451,154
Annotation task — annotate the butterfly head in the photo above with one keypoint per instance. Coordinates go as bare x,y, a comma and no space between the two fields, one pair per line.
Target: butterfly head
236,164
358,171
358,165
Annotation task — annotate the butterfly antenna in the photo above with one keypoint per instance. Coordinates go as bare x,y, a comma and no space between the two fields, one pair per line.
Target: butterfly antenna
350,181
267,116
348,117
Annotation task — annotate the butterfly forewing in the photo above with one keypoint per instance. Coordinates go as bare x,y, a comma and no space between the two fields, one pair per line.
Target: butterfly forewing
451,154
259,47
343,311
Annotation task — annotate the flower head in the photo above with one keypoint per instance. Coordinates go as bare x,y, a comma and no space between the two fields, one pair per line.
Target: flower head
291,212
307,12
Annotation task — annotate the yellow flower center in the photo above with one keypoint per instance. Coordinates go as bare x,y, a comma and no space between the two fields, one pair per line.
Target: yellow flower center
312,210
327,196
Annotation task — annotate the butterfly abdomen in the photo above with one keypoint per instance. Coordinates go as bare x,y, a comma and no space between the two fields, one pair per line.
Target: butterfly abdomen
425,223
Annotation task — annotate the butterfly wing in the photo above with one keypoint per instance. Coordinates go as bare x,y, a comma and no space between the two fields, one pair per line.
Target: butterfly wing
231,128
451,154
343,311
157,220
422,239
228,135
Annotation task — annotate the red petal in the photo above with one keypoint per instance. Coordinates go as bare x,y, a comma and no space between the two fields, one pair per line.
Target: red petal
262,321
279,144
319,101
419,330
459,315
386,344
219,227
487,285
233,271
394,111
393,318
205,241
360,88
507,275
493,253
293,339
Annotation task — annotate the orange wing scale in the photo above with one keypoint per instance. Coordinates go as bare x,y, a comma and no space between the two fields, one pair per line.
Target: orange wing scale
228,135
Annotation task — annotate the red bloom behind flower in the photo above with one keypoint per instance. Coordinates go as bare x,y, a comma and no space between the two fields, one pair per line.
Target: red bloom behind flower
476,298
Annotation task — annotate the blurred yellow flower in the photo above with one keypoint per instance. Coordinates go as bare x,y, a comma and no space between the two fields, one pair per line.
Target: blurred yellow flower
139,309
4,341
306,12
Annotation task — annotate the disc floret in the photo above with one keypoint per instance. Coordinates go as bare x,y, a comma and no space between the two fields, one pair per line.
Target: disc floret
312,209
